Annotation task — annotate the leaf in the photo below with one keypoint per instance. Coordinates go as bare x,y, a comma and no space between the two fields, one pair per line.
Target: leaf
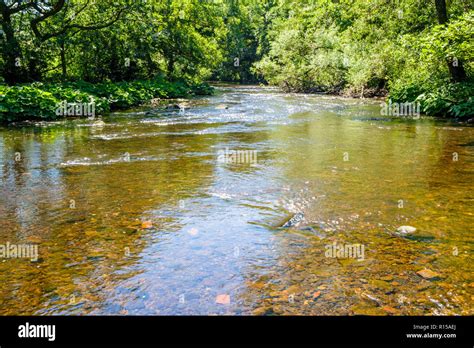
147,224
223,299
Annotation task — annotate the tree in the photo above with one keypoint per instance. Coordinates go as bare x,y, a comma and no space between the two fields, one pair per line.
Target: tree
61,17
455,66
11,52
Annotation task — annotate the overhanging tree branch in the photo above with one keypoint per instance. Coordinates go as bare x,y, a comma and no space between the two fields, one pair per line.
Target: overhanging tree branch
80,27
18,8
45,15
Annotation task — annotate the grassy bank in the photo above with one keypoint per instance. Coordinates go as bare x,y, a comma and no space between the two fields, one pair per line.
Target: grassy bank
42,101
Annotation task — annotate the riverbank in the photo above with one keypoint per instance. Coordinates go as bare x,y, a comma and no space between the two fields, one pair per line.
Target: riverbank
454,100
51,101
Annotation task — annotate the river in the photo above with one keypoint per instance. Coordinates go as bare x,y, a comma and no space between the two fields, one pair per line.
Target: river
142,214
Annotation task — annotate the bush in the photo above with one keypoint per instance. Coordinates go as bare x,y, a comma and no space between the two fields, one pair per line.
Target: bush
40,101
455,100
22,102
425,77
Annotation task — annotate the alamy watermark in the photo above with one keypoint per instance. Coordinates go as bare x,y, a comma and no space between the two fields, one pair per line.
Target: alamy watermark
345,251
237,156
19,251
75,109
400,109
37,331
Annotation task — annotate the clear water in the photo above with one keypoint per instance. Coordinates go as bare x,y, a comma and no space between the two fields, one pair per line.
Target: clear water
81,191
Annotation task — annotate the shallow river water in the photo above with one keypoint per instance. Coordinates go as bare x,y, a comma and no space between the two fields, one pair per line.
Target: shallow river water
141,214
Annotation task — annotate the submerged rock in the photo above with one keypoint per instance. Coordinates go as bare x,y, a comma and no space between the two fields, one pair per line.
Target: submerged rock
98,123
293,221
406,229
387,278
428,274
390,310
313,231
372,298
261,311
222,107
420,238
147,224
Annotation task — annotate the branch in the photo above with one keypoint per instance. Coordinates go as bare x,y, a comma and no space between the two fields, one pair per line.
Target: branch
12,10
45,15
80,27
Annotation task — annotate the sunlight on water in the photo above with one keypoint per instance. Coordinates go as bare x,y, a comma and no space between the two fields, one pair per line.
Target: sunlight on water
165,211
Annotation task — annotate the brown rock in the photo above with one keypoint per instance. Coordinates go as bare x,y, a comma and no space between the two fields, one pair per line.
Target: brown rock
389,309
147,224
257,285
387,278
291,290
260,311
428,274
316,295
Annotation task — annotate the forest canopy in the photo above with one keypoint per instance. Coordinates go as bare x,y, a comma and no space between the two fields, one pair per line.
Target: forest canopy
410,49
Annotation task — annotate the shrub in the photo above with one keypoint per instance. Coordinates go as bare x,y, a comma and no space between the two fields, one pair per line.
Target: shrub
39,101
23,102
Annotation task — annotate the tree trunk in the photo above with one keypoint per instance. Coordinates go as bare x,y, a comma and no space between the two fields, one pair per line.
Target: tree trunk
170,66
63,61
455,66
12,71
441,11
151,66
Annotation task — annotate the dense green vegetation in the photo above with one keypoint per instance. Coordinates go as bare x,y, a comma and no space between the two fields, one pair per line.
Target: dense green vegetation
42,101
376,46
412,50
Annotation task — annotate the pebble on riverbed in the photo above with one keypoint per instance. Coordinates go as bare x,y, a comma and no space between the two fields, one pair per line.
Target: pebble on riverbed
428,274
222,107
406,229
223,299
147,224
98,123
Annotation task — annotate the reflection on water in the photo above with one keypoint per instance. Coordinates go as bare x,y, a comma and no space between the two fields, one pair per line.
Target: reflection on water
138,215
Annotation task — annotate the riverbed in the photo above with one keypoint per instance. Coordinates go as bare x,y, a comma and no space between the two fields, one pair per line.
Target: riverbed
139,213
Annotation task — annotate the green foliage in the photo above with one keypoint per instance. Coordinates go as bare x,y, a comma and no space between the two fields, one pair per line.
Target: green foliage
202,89
304,60
450,100
373,47
454,40
27,102
40,101
355,47
244,40
104,41
424,75
72,93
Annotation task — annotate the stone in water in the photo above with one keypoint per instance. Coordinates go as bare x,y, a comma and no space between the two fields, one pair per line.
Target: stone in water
147,224
406,229
428,274
223,299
